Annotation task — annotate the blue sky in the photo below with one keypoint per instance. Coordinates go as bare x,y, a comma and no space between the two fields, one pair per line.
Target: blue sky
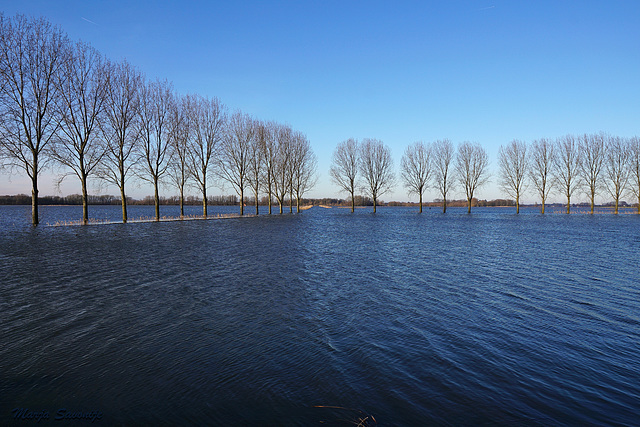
484,71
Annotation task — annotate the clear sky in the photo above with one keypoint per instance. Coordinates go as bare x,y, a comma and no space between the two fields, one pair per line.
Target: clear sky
487,71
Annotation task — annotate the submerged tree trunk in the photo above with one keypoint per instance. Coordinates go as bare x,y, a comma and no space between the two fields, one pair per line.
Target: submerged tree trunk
518,204
469,205
34,199
543,200
375,202
353,203
85,203
204,202
444,205
241,202
123,201
568,205
156,198
420,202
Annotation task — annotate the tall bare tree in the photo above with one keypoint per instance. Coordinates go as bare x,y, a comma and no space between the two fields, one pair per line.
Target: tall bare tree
416,169
617,168
83,89
514,166
257,153
180,129
31,54
208,119
542,161
281,181
634,163
592,148
120,127
376,167
567,166
304,171
471,167
233,158
443,154
344,169
270,135
155,109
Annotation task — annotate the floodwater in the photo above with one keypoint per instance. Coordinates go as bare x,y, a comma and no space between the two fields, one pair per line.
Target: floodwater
326,316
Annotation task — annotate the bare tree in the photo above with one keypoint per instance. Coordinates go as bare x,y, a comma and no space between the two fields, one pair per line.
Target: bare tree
270,132
542,161
234,152
514,165
592,148
344,169
634,163
416,169
617,168
257,153
83,90
208,119
471,166
443,154
281,181
180,124
31,54
155,107
376,167
304,172
120,127
567,166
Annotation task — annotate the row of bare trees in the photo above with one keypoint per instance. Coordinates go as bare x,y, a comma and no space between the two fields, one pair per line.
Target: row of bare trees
367,166
63,102
590,163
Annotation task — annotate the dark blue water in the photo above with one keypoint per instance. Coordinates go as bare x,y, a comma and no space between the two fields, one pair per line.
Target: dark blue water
483,319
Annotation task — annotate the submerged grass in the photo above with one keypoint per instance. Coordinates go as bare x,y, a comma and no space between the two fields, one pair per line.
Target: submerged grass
146,219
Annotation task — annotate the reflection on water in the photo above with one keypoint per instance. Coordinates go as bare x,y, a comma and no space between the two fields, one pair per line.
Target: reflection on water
489,318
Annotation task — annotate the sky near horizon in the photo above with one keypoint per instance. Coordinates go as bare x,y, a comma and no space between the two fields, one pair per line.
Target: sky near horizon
481,71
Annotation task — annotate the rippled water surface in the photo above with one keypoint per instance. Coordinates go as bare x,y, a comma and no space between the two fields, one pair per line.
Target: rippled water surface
489,318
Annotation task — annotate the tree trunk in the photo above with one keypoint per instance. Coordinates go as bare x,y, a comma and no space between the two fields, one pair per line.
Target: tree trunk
616,208
85,207
204,202
420,202
542,206
156,198
353,203
444,205
280,202
518,204
375,202
241,202
34,197
592,202
638,202
469,205
269,201
568,204
297,204
123,200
